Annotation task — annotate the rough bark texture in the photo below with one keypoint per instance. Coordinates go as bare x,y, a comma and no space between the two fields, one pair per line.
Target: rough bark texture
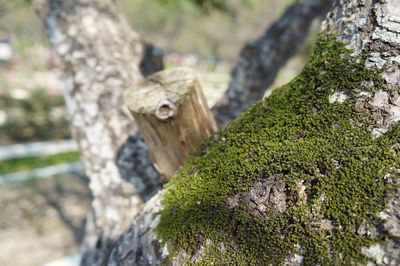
260,61
369,26
101,59
173,117
374,27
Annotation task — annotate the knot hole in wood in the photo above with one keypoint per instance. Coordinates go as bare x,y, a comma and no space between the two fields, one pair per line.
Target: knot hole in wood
166,110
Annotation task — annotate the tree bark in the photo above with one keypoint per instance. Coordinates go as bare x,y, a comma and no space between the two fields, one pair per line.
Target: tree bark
371,29
101,59
260,61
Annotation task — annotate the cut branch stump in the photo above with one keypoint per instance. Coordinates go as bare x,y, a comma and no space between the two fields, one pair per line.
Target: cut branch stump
173,117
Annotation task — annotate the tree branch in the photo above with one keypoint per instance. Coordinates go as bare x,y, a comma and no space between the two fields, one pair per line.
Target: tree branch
260,61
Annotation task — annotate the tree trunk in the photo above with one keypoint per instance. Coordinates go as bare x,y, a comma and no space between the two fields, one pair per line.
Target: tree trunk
309,175
101,57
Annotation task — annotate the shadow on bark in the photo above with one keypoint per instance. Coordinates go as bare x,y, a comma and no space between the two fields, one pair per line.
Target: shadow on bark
152,60
133,160
135,167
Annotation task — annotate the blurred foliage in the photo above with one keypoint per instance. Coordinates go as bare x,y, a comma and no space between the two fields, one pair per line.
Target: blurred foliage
184,27
29,163
38,117
174,25
227,6
19,18
10,5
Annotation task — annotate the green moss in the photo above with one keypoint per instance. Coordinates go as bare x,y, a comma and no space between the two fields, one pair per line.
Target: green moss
298,133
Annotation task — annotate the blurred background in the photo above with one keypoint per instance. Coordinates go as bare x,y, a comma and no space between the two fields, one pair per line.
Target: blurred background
44,195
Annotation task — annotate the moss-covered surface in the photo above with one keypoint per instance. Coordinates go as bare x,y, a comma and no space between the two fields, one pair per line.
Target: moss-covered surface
298,133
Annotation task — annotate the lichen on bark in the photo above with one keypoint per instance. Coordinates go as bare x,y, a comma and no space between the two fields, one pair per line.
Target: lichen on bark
308,145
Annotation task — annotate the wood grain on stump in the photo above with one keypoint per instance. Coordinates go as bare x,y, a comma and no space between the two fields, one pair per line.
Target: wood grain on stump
173,117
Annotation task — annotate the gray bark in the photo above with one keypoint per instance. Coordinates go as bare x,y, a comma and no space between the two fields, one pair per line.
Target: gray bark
366,25
260,61
101,59
374,26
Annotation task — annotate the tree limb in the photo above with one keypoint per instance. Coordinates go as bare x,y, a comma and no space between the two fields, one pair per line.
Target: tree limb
260,61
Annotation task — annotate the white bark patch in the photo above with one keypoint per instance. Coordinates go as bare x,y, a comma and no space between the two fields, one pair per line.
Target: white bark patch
112,171
165,251
111,27
297,259
79,55
375,60
95,186
381,102
90,25
92,110
391,218
112,214
392,19
134,200
117,55
396,99
385,35
72,30
99,68
365,94
377,132
91,62
115,82
376,252
395,112
81,78
338,96
301,193
63,48
392,77
381,99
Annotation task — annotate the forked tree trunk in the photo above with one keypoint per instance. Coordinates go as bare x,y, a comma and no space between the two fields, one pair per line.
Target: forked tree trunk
101,58
308,176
